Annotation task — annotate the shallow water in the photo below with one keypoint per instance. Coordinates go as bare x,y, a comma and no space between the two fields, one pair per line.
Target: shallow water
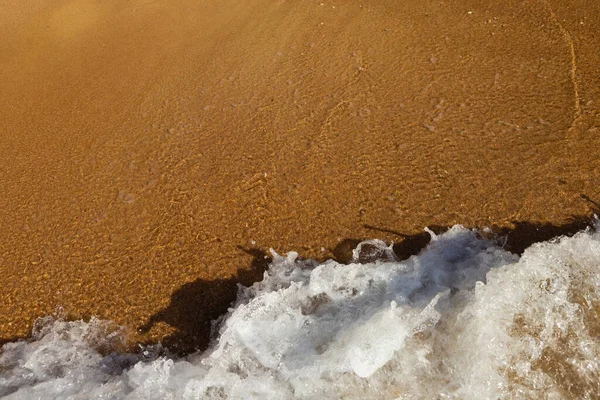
463,319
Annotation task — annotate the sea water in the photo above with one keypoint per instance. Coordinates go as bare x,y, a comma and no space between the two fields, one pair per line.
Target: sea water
464,319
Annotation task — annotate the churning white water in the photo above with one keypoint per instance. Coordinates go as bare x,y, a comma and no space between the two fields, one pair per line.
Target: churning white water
463,319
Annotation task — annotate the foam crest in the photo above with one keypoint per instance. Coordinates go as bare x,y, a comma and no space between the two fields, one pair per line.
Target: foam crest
463,319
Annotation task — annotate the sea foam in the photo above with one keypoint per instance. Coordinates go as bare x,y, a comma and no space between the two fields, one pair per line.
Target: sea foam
463,319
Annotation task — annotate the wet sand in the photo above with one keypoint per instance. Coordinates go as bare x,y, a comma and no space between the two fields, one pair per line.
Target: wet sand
152,151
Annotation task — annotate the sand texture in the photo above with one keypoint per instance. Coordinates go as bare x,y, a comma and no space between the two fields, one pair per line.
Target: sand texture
151,151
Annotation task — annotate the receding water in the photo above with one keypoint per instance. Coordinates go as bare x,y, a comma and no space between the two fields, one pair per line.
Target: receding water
463,319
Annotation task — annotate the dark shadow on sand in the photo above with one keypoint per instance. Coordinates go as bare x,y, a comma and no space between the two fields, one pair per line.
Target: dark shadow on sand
3,341
195,305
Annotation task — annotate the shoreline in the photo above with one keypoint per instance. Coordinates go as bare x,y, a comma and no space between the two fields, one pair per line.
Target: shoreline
147,146
193,319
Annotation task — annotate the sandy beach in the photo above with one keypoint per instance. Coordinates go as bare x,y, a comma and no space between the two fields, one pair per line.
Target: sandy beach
152,152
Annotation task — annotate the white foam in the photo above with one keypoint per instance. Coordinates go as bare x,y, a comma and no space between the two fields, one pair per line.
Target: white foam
464,319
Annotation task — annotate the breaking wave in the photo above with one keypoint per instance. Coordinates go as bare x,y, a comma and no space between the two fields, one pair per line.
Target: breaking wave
463,319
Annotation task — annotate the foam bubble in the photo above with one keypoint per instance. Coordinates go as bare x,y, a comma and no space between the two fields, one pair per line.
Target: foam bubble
463,319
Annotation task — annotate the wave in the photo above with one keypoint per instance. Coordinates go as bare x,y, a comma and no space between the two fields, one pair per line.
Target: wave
463,319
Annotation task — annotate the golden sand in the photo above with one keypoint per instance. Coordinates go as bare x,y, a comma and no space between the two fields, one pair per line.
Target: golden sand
152,150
